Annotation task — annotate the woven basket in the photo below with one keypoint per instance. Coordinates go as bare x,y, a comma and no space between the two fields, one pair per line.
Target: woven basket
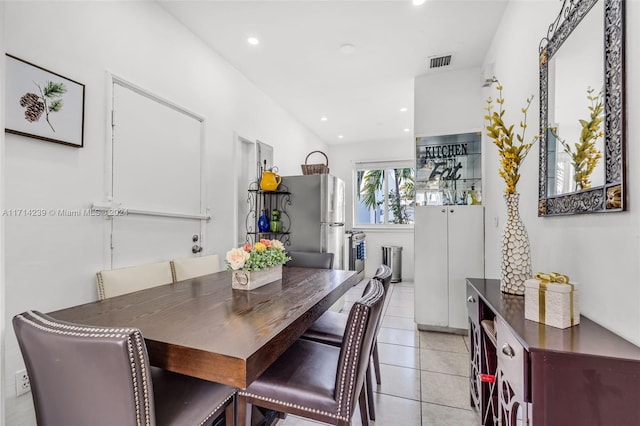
315,169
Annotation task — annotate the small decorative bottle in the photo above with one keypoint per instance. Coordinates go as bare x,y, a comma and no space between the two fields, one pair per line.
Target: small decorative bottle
472,197
263,222
275,221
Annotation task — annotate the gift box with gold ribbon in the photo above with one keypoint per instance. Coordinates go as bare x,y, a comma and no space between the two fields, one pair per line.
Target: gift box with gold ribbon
552,300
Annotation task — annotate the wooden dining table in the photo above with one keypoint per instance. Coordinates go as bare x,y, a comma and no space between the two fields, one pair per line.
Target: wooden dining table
203,328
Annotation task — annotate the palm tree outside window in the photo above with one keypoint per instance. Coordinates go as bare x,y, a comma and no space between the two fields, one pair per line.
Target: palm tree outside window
384,193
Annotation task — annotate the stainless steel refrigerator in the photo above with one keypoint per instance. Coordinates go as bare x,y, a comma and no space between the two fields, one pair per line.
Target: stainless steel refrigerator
317,215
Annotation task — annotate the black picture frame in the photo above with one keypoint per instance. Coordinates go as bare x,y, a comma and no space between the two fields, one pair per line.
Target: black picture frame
42,104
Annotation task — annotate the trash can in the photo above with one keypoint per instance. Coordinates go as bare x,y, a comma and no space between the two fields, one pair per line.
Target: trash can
392,257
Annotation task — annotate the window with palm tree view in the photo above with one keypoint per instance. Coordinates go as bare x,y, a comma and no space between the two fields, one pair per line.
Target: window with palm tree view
384,193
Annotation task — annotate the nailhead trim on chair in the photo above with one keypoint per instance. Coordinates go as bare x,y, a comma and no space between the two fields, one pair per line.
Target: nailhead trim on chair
143,370
222,404
136,398
348,368
73,330
288,404
363,308
361,315
97,331
350,365
77,330
174,276
101,295
339,416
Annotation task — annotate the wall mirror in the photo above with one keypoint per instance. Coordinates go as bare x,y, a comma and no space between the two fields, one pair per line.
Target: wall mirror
582,110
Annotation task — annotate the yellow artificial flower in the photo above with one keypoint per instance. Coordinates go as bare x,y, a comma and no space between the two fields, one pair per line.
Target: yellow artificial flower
511,153
585,155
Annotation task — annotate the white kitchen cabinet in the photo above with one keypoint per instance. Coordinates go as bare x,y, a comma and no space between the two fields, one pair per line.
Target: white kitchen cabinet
449,247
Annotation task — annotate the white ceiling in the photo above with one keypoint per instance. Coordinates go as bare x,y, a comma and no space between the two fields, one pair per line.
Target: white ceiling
300,65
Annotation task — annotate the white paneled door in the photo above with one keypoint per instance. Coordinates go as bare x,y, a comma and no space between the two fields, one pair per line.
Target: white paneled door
157,178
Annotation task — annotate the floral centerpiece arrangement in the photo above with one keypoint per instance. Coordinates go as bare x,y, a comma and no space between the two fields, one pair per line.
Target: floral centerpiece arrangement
256,265
515,266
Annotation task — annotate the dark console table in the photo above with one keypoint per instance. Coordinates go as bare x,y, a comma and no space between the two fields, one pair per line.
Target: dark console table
582,375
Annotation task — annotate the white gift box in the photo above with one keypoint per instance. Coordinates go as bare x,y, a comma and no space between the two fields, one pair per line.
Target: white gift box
552,304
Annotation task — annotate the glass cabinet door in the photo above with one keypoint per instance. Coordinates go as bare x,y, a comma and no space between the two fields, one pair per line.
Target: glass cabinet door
448,170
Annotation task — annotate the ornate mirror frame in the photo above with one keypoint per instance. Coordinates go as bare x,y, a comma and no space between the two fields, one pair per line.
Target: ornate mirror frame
609,197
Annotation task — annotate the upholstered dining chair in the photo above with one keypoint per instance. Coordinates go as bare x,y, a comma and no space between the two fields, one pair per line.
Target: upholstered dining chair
330,329
119,281
84,375
319,381
191,267
310,259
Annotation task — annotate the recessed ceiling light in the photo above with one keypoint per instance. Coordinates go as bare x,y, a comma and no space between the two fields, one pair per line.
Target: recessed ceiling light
403,109
253,41
340,136
347,49
418,2
323,118
407,130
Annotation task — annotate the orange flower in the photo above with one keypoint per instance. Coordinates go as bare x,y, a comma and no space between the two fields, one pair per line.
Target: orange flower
266,242
247,247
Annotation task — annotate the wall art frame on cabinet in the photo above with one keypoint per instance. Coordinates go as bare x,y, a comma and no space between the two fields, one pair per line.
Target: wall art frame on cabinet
42,104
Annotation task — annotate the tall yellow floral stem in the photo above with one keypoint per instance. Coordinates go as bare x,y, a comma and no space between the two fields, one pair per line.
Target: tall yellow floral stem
586,156
512,153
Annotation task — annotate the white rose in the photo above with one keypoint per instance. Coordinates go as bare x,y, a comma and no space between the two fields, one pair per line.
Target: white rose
237,258
277,244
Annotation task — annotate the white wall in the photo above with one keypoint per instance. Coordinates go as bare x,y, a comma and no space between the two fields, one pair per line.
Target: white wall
342,159
447,103
2,288
598,251
51,261
442,105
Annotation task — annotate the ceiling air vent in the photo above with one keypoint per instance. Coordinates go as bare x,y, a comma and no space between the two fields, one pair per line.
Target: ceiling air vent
439,61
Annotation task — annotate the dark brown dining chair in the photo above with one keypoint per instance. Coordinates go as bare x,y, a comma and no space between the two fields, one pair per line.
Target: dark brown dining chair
84,375
330,329
318,381
310,259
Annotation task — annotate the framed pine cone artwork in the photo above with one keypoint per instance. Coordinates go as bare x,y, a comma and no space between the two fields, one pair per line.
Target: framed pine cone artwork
42,104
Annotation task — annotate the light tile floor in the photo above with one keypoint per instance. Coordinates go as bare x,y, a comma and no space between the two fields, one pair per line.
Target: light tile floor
425,375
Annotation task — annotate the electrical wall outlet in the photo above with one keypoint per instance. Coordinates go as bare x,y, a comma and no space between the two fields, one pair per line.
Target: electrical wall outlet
22,382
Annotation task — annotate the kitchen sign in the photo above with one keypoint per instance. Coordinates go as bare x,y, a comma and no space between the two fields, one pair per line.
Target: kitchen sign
449,165
440,154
